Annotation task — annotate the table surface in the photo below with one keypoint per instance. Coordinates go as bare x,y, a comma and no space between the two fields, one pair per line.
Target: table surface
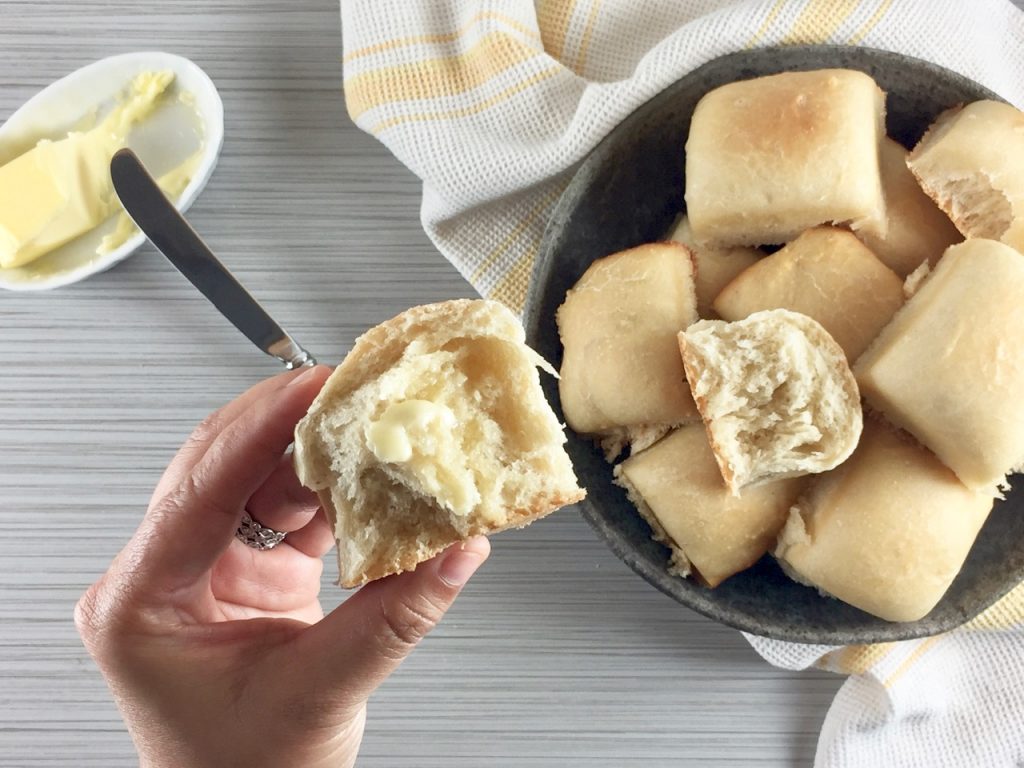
555,655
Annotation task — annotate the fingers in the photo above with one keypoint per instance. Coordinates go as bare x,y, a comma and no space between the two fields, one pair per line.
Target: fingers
281,502
274,580
284,504
356,647
188,529
314,539
204,434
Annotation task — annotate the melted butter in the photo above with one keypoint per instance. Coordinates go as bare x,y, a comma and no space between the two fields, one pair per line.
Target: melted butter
418,435
172,183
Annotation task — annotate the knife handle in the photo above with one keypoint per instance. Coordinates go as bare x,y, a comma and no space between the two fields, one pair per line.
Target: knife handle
291,354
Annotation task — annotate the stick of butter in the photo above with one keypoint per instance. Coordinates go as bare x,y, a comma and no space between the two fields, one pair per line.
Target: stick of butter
61,189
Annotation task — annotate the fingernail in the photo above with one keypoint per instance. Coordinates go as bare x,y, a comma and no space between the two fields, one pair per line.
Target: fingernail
306,375
461,562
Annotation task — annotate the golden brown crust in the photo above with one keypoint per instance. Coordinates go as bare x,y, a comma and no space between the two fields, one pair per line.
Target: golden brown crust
409,559
827,274
762,157
690,366
619,369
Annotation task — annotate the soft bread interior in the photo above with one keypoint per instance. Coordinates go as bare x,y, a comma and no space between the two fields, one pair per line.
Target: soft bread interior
776,394
970,162
485,452
981,209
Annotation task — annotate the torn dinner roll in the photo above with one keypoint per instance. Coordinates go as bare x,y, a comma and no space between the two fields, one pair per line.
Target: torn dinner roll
776,395
433,429
971,162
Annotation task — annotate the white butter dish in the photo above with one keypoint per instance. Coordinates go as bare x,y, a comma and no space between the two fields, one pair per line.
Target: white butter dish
189,119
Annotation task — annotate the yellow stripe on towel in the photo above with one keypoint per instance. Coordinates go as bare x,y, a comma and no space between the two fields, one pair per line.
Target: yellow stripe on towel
509,240
442,37
819,21
871,23
494,54
766,25
553,18
588,34
857,659
472,109
907,663
513,287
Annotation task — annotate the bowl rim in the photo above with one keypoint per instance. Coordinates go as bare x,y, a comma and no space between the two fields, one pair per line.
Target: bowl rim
552,240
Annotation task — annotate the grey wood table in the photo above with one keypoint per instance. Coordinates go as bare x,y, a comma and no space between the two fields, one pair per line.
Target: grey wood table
556,654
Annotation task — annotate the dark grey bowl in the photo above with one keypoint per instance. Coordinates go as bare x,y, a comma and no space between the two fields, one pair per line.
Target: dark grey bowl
627,192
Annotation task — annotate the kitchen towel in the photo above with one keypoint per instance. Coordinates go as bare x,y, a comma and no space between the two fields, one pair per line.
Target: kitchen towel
494,103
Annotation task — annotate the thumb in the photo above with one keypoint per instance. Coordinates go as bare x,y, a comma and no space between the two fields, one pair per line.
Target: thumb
353,650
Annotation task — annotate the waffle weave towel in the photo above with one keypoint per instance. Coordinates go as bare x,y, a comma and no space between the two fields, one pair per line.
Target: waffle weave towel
492,103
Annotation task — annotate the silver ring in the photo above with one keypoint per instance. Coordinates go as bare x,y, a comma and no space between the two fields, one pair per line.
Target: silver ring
257,536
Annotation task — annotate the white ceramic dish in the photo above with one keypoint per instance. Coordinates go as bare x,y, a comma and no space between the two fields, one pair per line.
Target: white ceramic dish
170,135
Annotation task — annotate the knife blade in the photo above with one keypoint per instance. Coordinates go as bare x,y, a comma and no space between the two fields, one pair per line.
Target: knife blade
175,238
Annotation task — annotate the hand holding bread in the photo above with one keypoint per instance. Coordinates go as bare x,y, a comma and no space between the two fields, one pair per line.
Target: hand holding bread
221,655
434,429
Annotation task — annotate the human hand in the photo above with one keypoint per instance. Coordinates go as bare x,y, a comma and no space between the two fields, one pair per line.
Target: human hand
219,654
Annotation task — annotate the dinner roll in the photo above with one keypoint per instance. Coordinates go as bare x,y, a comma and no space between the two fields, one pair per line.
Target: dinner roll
971,162
887,531
949,368
916,231
677,488
715,267
776,395
433,429
826,274
621,377
770,157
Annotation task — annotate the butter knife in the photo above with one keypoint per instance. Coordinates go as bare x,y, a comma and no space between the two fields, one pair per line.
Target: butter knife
174,237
